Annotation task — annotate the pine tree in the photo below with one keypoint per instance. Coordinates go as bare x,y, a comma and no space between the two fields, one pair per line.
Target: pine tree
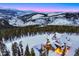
15,49
3,50
21,48
19,53
32,52
27,52
7,53
76,52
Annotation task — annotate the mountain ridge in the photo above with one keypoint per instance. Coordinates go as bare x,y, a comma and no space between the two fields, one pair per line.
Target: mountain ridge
26,18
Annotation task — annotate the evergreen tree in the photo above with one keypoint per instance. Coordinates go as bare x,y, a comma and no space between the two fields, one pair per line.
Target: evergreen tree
18,51
21,48
76,52
27,52
7,53
3,50
32,52
15,49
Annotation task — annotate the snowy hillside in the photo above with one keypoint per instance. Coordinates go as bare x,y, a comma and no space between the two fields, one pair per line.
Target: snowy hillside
39,20
61,21
36,41
25,18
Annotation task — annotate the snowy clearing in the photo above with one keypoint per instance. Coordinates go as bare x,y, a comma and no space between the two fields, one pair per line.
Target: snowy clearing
37,40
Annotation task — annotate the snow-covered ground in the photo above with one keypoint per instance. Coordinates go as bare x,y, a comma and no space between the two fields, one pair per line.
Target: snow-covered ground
61,21
39,21
37,40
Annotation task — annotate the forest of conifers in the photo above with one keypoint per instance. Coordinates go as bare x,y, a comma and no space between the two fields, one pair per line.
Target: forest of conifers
19,31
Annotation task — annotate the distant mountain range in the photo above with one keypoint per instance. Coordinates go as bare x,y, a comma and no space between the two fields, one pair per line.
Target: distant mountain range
18,18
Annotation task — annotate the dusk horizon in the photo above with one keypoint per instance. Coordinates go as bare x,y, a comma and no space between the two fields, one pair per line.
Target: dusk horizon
43,7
